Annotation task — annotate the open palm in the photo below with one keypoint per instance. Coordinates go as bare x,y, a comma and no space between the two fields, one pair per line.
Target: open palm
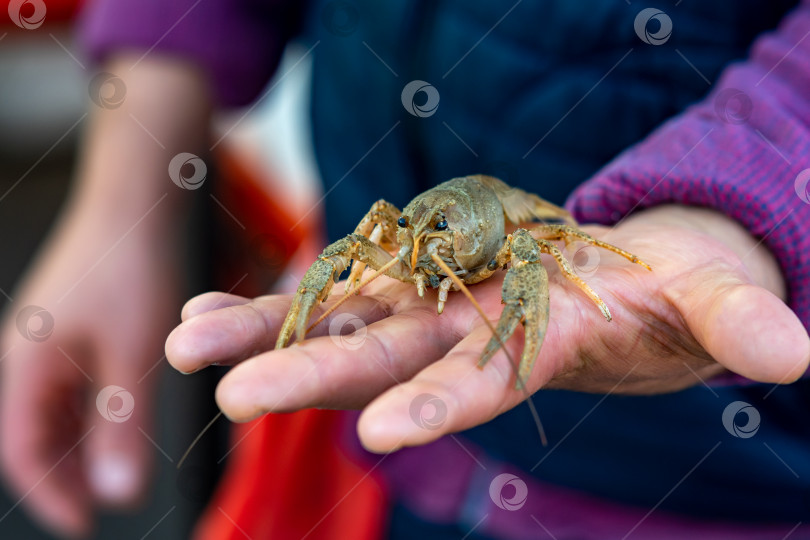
698,314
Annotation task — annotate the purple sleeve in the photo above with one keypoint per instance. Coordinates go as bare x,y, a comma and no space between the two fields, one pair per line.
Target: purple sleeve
237,42
741,151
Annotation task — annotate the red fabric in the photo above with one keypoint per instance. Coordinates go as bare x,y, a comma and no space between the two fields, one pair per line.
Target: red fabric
55,11
288,478
255,236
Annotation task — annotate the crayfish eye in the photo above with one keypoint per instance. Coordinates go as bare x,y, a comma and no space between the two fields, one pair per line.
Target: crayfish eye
402,222
442,225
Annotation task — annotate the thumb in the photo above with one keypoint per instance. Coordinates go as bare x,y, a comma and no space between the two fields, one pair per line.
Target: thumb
119,451
747,329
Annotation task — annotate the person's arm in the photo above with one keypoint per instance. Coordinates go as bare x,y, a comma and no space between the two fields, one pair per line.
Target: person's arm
109,272
741,151
108,276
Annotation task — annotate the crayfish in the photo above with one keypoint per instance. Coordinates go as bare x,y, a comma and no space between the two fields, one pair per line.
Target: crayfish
451,236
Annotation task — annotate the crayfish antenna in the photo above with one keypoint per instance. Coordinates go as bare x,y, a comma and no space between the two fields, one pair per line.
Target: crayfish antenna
197,439
521,384
383,269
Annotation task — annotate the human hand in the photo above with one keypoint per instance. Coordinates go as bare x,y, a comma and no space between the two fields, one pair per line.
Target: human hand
104,322
707,306
108,281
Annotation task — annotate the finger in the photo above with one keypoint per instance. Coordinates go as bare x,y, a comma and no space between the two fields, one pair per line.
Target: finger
231,334
40,438
453,394
225,334
336,371
210,301
747,329
119,452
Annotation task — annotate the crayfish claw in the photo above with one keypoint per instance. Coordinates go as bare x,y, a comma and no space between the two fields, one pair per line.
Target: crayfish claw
313,289
510,317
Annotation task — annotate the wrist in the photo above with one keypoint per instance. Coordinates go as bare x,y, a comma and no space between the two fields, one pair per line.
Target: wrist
754,255
165,110
123,178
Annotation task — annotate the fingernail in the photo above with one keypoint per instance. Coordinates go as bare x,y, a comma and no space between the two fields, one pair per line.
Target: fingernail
114,478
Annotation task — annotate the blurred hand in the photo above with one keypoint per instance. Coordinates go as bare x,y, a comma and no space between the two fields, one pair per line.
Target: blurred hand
108,280
109,317
710,304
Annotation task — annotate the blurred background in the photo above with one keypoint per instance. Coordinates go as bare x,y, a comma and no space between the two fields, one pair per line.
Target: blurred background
43,104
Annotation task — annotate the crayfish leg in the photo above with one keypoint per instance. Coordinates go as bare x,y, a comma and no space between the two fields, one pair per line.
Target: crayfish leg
570,275
550,231
378,225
